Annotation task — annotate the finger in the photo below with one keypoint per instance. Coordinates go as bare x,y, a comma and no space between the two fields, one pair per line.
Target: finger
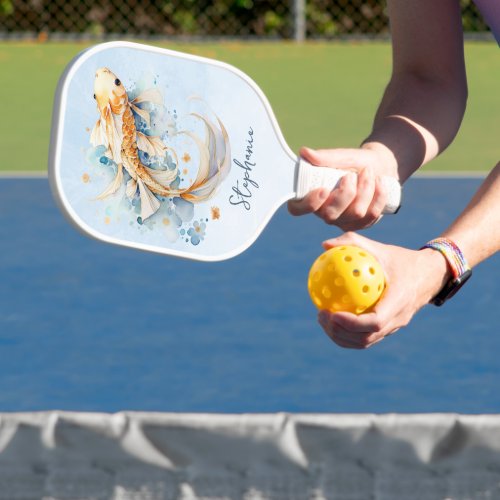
365,324
344,344
310,203
375,341
379,201
382,320
349,338
353,341
341,340
362,340
348,238
339,199
372,222
357,225
350,158
356,215
338,334
358,340
365,190
375,210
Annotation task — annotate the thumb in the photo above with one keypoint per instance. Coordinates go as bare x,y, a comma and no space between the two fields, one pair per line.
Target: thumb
349,238
353,159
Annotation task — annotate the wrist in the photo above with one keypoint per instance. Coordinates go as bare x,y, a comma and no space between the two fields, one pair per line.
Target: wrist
437,272
388,165
458,268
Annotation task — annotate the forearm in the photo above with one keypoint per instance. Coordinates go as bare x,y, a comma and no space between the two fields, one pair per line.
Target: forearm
424,103
416,120
477,230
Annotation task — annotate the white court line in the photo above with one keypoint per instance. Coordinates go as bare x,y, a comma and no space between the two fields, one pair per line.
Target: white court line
453,174
23,175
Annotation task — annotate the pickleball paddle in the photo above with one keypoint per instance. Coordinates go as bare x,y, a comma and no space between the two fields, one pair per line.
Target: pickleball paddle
173,153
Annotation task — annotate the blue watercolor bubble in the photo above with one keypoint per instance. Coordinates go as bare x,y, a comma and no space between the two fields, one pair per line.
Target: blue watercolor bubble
184,209
93,155
177,220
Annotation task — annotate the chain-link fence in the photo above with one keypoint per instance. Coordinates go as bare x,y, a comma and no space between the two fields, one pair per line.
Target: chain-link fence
206,18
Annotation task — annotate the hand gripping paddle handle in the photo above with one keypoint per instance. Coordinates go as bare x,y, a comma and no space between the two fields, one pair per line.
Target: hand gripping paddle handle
310,177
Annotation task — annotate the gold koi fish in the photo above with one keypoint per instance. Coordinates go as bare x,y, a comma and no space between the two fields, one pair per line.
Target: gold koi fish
116,130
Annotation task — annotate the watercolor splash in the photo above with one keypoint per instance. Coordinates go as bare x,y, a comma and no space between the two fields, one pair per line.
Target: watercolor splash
196,152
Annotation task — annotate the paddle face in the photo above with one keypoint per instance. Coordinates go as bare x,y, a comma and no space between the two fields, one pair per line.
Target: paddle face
166,152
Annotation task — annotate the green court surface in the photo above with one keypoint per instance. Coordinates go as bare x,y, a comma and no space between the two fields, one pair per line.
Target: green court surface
324,95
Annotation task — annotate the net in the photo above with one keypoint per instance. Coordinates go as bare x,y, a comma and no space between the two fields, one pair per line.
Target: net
153,456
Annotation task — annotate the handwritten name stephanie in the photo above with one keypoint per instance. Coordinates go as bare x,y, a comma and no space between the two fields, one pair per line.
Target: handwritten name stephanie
243,192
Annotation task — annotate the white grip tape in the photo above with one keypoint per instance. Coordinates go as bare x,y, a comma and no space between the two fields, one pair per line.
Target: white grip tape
310,177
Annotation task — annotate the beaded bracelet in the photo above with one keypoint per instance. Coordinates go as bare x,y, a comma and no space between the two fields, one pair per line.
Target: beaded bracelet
459,267
452,254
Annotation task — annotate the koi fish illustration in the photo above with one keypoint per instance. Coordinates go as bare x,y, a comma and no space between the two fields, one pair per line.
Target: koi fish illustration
116,130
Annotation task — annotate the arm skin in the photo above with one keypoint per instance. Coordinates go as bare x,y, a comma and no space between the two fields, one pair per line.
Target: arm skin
419,115
415,277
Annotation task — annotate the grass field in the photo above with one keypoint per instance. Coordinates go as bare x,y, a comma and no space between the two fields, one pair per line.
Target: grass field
324,95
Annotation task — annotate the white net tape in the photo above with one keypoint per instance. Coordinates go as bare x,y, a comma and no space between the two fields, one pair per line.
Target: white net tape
154,456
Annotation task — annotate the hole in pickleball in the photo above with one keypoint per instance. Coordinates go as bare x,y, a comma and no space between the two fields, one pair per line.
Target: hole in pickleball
346,299
317,301
348,258
356,273
372,271
317,276
339,281
337,306
327,293
379,287
366,289
331,268
363,254
360,309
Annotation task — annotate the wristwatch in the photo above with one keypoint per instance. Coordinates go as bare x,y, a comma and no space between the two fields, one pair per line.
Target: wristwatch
460,270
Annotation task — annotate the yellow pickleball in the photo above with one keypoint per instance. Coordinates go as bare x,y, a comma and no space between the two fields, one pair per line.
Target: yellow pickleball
346,278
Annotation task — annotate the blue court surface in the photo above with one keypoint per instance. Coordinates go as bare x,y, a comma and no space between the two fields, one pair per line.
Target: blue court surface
92,327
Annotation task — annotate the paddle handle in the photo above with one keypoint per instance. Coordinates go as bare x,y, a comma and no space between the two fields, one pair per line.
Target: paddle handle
310,177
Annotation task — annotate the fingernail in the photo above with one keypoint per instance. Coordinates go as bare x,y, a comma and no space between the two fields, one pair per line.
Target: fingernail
306,150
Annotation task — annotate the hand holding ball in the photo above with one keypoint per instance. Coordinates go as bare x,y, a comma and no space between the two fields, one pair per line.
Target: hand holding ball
346,278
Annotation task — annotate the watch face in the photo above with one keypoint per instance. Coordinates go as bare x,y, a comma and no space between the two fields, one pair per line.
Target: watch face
451,288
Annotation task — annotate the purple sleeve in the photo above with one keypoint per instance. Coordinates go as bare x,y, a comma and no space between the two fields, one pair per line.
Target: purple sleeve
490,9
